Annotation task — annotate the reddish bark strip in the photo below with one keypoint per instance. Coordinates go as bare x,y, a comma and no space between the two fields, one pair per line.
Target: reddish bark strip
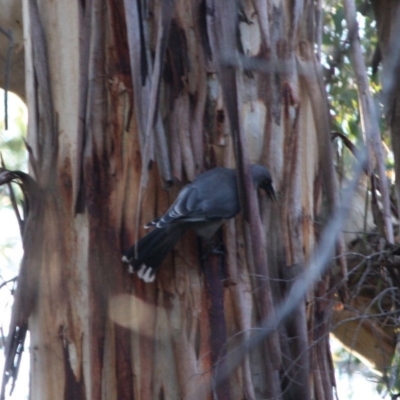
215,293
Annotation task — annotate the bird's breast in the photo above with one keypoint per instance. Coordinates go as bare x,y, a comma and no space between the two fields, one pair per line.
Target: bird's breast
206,229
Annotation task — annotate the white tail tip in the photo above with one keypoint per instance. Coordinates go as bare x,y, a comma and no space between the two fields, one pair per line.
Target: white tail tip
146,273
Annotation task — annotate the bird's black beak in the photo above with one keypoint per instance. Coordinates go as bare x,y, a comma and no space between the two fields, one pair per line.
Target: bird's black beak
269,189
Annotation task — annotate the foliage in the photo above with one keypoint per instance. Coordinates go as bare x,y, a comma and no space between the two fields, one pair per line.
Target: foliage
12,145
339,74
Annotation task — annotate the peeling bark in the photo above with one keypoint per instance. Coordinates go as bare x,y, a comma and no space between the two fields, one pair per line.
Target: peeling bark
142,93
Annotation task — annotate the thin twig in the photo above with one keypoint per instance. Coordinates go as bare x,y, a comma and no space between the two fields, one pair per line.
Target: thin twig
13,199
8,281
9,34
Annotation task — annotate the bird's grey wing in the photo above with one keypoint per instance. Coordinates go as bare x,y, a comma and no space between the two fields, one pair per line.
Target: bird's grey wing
223,203
212,196
179,209
203,204
185,207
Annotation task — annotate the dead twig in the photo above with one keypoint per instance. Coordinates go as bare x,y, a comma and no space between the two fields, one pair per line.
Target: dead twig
13,198
9,34
5,283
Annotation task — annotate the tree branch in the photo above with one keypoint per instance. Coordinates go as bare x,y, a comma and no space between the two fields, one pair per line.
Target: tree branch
367,110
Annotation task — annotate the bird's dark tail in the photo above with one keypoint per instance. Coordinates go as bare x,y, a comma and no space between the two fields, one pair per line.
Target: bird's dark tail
149,252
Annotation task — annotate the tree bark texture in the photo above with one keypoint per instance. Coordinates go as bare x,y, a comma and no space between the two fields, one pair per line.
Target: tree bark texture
12,47
128,100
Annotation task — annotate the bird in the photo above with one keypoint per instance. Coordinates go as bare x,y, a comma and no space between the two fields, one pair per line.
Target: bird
203,206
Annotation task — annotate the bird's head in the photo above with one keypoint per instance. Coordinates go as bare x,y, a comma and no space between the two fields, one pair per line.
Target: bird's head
263,180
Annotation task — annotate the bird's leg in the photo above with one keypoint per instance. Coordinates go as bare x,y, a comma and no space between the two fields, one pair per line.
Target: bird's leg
217,248
212,246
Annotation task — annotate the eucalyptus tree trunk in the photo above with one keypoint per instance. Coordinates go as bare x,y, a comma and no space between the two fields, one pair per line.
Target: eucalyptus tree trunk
127,102
11,47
